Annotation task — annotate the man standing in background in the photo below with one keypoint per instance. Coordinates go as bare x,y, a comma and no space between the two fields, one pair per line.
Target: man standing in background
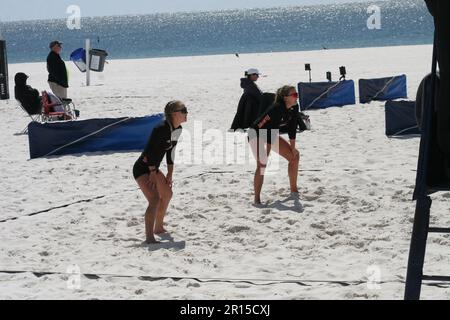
57,72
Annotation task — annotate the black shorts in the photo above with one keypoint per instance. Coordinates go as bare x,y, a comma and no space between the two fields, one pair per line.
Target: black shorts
139,169
263,136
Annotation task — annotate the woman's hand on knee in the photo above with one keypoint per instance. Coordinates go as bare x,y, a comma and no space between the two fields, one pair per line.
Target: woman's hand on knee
261,165
169,181
152,181
295,155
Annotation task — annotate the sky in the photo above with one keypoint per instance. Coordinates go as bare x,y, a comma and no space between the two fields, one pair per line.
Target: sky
14,10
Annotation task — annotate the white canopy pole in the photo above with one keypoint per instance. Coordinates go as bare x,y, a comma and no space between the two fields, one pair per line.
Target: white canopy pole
88,63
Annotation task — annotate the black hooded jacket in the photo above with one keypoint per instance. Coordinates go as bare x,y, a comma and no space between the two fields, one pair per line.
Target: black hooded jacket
249,105
27,96
278,117
57,71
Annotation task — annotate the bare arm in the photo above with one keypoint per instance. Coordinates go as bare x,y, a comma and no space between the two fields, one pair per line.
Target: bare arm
292,142
170,170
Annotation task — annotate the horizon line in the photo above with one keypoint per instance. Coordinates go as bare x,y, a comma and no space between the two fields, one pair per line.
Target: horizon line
198,11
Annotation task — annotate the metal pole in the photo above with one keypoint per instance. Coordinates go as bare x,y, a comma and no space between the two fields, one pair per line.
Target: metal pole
88,62
417,250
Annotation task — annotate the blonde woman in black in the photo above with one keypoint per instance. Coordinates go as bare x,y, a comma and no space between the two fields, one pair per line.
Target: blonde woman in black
154,184
264,135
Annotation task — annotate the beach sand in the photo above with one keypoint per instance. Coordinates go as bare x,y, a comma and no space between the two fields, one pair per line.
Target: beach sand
352,224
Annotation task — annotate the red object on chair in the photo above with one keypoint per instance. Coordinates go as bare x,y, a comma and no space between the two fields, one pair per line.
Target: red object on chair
48,109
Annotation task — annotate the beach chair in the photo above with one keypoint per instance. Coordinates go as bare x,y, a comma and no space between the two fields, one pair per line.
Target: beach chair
55,109
34,116
24,97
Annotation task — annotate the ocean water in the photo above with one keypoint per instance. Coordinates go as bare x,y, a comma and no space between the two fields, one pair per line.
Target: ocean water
404,22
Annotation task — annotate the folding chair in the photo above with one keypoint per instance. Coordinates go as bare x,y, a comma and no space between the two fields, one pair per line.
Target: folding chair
35,117
70,107
55,109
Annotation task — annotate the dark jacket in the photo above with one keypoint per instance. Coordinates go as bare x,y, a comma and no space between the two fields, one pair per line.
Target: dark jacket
27,96
57,71
432,6
440,9
162,142
249,105
278,117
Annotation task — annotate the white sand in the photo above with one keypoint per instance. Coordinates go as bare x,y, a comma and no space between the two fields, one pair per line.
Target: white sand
356,187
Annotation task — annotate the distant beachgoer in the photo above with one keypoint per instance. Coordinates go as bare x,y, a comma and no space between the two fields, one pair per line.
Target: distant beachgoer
440,9
27,96
57,72
249,104
156,186
264,136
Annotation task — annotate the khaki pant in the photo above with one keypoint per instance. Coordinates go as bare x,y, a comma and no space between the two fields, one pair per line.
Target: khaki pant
58,91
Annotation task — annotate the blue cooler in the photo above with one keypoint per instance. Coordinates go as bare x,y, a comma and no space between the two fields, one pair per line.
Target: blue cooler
79,58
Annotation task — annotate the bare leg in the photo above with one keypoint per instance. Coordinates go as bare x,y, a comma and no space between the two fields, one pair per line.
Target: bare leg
165,193
284,149
261,155
151,194
160,215
150,217
293,173
258,182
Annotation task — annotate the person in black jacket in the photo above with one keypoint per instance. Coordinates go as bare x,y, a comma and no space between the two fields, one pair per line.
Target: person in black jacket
156,186
57,72
440,9
249,104
27,96
264,134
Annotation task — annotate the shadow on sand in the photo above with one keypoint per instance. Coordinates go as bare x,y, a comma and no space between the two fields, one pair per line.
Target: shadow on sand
287,205
167,242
